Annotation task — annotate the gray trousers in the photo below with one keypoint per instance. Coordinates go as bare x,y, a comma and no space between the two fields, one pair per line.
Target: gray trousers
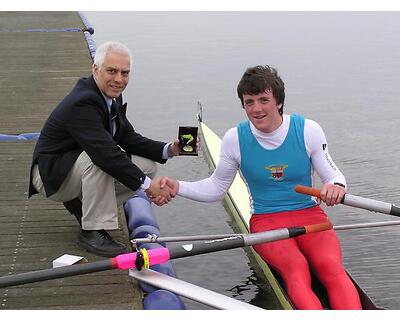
99,192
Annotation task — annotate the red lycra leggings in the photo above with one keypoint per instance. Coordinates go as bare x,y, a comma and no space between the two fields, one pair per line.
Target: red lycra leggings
290,257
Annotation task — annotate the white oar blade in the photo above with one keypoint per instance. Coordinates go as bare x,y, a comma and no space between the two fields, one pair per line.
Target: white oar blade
190,291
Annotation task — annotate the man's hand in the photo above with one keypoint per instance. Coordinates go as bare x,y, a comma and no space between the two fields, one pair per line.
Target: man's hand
158,195
173,149
332,194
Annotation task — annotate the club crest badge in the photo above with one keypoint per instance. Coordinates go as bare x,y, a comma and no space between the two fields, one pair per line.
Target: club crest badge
277,171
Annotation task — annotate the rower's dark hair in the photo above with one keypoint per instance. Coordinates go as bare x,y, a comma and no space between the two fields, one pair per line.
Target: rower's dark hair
259,79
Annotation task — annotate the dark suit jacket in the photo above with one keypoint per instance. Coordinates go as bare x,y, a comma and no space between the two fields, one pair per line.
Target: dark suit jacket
81,123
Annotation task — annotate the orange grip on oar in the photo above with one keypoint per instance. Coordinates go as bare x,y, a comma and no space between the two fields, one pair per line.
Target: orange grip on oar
308,190
298,231
319,227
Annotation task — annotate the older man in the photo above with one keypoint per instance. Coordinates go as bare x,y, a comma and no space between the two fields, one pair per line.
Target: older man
85,147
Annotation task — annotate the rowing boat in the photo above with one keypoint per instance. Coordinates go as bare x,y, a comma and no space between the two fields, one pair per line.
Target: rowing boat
238,205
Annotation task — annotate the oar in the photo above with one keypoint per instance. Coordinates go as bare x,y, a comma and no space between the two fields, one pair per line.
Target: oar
153,238
157,239
161,255
190,291
356,201
367,225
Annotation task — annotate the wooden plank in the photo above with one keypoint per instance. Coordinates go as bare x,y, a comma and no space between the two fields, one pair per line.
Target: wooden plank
37,69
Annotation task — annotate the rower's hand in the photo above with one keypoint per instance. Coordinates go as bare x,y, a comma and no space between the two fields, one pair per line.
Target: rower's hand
167,182
158,195
332,194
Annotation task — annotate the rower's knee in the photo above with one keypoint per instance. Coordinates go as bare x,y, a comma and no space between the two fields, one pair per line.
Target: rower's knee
296,274
330,270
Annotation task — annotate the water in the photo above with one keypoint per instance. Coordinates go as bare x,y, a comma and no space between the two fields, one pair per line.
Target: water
340,69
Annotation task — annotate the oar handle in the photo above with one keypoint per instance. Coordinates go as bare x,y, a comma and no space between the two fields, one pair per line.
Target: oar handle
319,227
355,201
284,233
308,190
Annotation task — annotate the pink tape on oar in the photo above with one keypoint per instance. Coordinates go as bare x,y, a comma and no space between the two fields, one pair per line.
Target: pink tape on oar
127,260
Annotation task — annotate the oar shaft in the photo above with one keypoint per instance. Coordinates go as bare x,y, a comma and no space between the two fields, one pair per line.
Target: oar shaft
55,273
366,225
370,204
356,201
250,239
208,246
122,261
156,239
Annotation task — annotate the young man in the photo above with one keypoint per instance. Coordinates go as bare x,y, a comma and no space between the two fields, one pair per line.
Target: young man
85,147
274,152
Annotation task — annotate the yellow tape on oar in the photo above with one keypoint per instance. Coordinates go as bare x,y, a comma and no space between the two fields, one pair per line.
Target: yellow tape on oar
142,259
146,259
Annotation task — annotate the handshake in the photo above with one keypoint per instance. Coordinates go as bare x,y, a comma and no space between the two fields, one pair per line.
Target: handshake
162,190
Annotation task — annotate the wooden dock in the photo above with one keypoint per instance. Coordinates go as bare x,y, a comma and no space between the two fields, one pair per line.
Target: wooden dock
39,64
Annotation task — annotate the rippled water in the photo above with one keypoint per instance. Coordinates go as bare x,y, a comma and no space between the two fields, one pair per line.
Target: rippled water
340,69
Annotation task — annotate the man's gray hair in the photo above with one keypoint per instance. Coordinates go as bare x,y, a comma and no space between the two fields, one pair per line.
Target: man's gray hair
107,47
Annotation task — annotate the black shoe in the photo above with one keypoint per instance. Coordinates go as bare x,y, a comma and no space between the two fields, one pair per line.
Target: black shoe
100,243
74,207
